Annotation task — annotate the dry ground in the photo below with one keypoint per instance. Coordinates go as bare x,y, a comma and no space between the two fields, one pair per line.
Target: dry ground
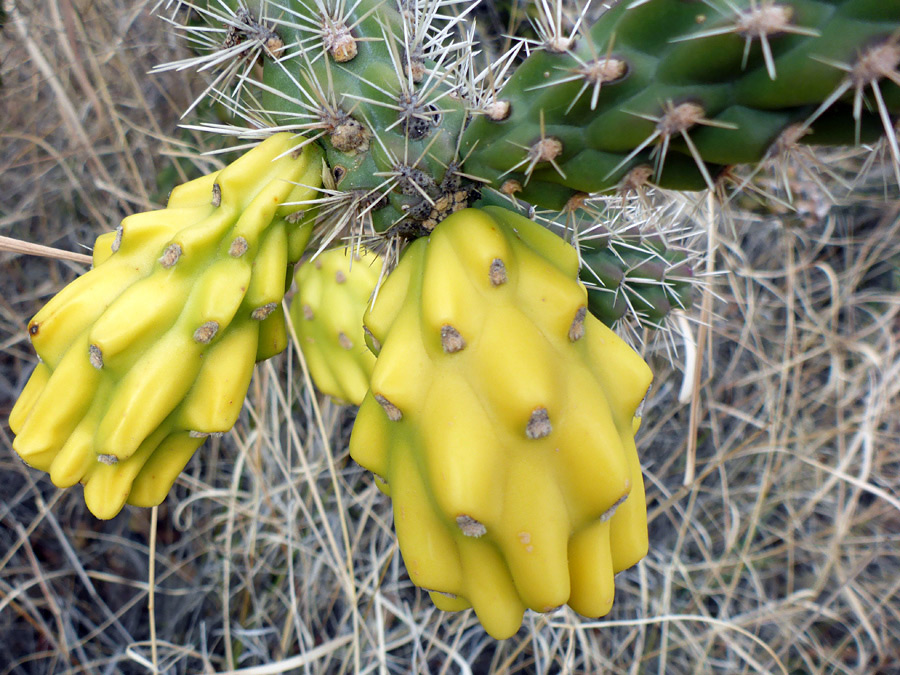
773,489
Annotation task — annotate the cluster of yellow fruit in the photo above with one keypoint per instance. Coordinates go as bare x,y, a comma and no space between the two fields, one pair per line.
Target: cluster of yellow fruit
509,453
153,349
495,410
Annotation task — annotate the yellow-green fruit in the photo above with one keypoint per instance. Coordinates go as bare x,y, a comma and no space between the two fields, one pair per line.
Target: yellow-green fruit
153,349
333,291
499,416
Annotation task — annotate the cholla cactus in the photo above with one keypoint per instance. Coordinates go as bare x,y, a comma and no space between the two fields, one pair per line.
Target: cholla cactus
482,328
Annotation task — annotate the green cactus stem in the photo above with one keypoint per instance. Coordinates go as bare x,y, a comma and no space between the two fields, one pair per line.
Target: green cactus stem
418,120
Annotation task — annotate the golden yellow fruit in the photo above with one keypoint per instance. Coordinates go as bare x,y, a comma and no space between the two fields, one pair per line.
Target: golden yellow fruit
333,292
499,419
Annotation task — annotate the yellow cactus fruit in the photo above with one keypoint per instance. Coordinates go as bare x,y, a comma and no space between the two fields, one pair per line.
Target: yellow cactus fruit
152,350
333,291
499,420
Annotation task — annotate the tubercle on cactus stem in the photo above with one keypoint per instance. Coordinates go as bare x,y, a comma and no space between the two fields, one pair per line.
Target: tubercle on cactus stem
593,72
877,62
759,22
674,120
544,150
551,26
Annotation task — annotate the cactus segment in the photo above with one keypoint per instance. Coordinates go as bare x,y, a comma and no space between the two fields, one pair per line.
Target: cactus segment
153,349
679,91
713,84
516,443
643,280
366,80
333,291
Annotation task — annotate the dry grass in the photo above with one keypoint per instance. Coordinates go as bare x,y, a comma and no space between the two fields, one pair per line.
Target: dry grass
775,521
